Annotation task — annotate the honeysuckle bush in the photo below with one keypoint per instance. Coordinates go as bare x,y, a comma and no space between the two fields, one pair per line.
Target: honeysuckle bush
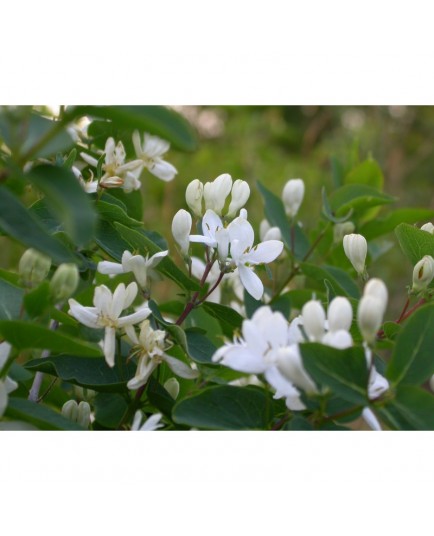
280,327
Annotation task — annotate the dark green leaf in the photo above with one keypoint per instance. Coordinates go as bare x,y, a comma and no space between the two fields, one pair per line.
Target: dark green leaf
37,128
387,224
298,424
109,409
200,348
228,318
42,417
37,300
320,274
26,335
17,222
344,371
411,409
327,210
357,196
159,397
413,359
112,213
11,298
414,242
225,408
295,240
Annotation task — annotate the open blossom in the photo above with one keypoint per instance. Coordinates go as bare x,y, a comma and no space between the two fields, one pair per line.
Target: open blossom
139,265
7,384
215,235
150,156
117,172
151,424
150,347
197,271
106,313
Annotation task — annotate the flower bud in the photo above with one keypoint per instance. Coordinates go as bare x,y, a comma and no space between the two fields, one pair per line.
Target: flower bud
423,273
33,267
338,339
369,317
70,410
83,414
342,229
172,387
340,314
313,317
221,188
376,288
356,248
181,228
64,282
111,182
240,194
222,237
428,227
292,196
431,383
291,366
193,196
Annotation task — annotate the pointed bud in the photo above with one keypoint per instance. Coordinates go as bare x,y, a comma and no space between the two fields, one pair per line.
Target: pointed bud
240,194
428,227
111,182
342,229
193,196
292,196
291,366
172,387
34,267
313,317
376,288
340,314
70,410
356,248
64,282
221,188
181,228
369,317
83,414
423,273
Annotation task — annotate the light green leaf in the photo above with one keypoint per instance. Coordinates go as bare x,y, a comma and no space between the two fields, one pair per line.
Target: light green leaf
229,319
387,224
411,409
42,417
357,196
414,242
11,298
368,173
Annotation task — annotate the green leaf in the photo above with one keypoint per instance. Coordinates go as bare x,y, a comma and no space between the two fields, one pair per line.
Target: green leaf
414,242
344,371
67,199
112,213
159,397
298,424
391,329
368,173
228,318
200,348
411,409
110,241
140,241
86,372
109,409
39,126
24,335
38,300
387,224
225,408
357,196
275,214
320,274
344,280
153,119
42,417
11,298
17,222
328,213
413,360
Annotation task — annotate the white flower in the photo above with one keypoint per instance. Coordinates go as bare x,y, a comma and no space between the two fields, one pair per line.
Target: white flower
244,255
214,234
339,314
7,384
377,289
181,228
150,347
356,248
423,273
377,383
342,229
292,196
79,413
239,195
216,192
193,197
428,227
369,317
106,314
313,319
117,172
197,271
152,423
266,232
140,266
370,419
150,155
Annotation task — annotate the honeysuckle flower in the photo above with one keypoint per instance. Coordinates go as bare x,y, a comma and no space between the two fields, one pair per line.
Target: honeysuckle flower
216,192
313,319
172,387
150,154
197,271
117,172
152,423
428,227
214,234
79,413
292,196
150,347
244,255
181,228
106,313
423,273
193,197
267,232
371,420
377,383
377,289
369,317
7,384
339,314
33,267
64,282
240,194
356,249
141,266
431,383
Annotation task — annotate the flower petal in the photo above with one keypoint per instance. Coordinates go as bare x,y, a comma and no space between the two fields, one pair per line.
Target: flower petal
251,281
102,299
107,267
134,318
89,159
240,358
163,170
371,420
265,252
156,259
3,398
5,349
87,316
180,368
130,295
109,346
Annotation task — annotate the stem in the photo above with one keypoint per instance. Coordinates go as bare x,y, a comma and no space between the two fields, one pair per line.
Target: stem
340,414
212,289
404,314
